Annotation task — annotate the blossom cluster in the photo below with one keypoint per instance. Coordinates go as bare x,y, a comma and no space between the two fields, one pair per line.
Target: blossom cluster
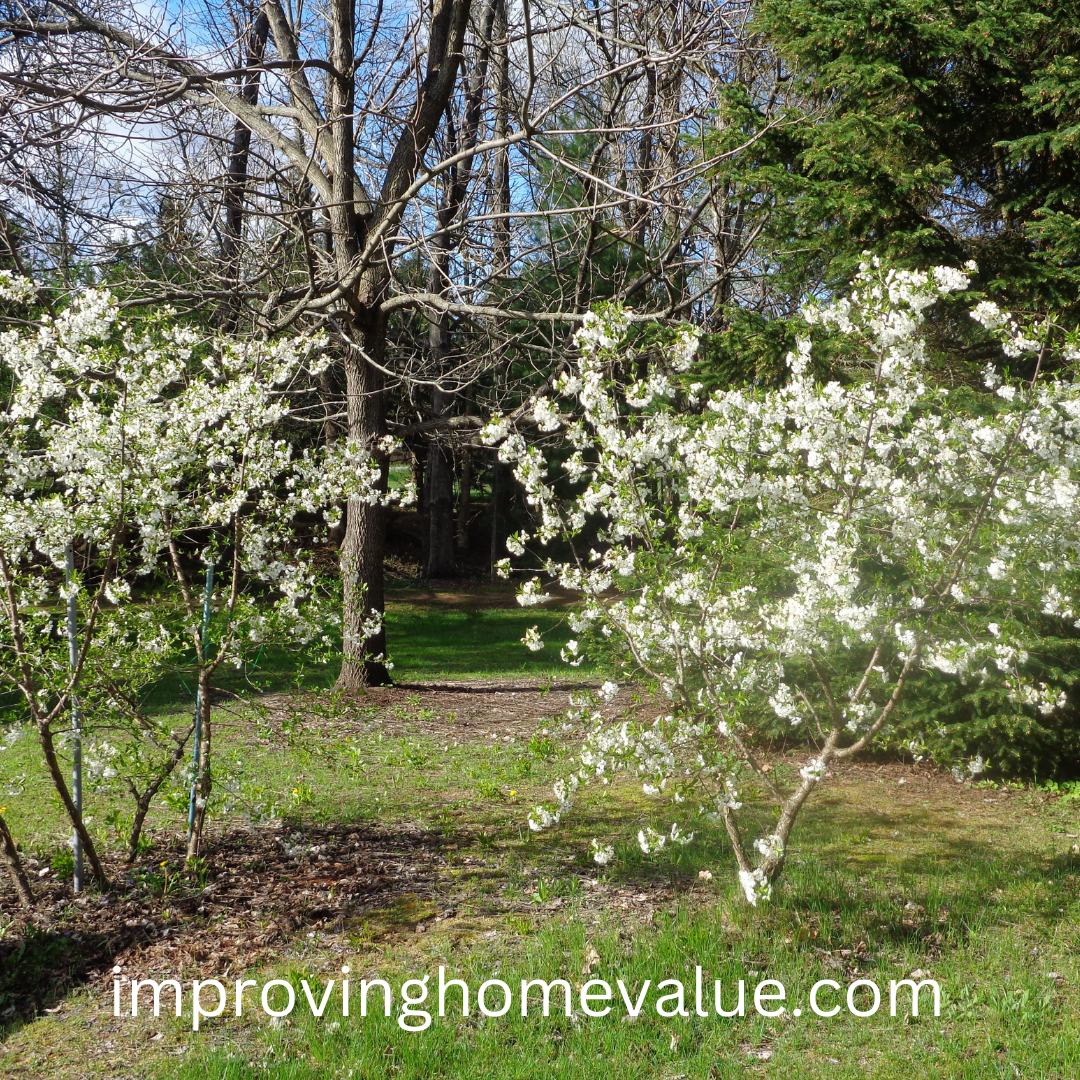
800,551
141,444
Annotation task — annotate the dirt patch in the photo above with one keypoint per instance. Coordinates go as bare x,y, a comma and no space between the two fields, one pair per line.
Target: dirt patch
475,709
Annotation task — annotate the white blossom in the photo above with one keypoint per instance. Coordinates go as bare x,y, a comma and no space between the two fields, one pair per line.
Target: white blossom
602,854
650,841
495,430
755,885
531,593
15,288
546,415
801,550
131,437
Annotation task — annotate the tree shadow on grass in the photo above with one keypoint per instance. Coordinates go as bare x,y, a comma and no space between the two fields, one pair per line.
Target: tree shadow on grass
909,879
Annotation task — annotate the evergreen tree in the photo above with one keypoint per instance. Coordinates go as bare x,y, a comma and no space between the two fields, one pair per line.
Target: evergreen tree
936,134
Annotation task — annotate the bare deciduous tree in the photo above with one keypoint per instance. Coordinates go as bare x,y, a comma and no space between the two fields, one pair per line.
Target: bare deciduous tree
445,187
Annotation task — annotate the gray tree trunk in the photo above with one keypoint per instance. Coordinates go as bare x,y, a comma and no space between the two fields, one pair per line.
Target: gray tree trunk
363,548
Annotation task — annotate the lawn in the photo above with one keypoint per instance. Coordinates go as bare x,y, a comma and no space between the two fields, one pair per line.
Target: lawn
469,631
398,844
472,633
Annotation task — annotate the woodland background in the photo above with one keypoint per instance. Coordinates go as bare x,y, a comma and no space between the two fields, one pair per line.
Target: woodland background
446,189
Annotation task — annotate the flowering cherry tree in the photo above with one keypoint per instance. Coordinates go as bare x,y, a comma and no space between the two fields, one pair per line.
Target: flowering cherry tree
798,552
140,445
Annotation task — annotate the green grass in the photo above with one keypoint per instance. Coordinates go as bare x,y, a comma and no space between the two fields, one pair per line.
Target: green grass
884,879
1001,1016
431,639
988,906
428,638
485,642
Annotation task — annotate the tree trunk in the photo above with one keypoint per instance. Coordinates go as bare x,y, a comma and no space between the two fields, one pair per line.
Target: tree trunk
203,779
500,194
142,807
15,867
464,502
441,553
441,548
419,470
57,774
441,558
496,544
237,177
145,798
363,637
364,648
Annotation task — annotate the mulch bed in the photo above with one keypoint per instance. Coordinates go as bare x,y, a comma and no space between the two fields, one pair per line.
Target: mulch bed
261,887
